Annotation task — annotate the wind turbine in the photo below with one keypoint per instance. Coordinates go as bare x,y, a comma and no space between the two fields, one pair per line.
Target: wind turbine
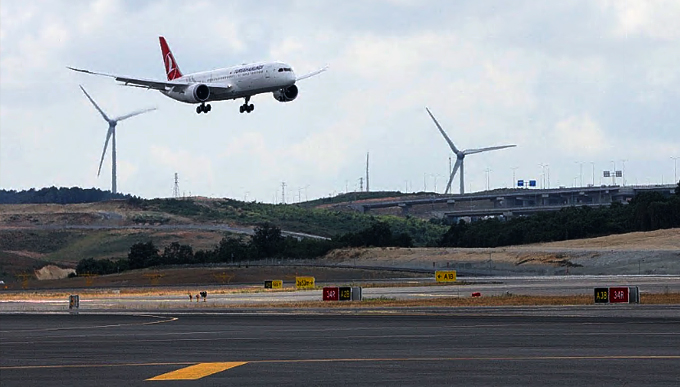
460,155
111,134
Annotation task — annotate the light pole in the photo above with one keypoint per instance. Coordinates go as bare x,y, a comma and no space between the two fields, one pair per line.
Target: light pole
675,168
623,172
543,167
592,164
435,181
580,172
513,177
487,170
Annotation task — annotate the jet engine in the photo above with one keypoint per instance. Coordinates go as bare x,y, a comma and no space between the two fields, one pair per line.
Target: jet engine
198,92
286,95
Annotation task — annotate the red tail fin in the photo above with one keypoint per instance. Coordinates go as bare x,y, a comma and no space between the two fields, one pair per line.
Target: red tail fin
171,67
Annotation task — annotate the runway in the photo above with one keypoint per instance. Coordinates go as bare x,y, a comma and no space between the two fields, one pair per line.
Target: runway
526,346
111,300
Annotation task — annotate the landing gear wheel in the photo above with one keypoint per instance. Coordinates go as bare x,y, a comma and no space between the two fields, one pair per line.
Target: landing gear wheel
203,108
245,107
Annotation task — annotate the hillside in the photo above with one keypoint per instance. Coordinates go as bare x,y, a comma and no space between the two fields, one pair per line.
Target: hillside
653,252
32,235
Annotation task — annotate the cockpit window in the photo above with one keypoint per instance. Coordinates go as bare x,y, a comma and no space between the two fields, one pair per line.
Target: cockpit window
280,70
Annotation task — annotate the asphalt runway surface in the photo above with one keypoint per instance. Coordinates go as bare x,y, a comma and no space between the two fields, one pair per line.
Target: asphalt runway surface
525,346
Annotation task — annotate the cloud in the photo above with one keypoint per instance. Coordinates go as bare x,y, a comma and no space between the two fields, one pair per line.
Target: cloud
655,18
584,80
580,137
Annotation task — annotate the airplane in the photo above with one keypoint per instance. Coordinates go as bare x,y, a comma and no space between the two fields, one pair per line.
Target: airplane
241,81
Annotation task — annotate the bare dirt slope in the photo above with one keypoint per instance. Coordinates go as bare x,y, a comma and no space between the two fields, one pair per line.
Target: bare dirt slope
109,213
656,252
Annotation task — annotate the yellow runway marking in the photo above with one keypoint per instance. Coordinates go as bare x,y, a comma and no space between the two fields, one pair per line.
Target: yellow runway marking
197,371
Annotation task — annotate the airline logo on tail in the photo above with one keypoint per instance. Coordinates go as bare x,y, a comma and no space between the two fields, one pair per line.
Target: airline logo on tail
171,68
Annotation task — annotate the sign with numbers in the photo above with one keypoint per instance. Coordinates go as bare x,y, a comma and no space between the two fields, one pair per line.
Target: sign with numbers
268,284
601,295
345,293
445,275
331,293
618,295
277,284
304,282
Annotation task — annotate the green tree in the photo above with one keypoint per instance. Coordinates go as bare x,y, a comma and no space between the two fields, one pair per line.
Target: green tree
267,240
177,254
143,255
232,250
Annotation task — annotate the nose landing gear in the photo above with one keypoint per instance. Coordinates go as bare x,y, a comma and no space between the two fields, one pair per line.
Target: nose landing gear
245,107
203,108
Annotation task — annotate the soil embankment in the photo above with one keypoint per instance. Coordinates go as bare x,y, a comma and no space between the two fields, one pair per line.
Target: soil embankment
655,252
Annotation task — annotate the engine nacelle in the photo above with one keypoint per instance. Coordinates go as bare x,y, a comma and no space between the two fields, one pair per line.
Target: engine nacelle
197,92
286,95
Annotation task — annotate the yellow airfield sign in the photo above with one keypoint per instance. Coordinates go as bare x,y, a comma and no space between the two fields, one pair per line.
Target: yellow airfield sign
277,284
304,282
445,275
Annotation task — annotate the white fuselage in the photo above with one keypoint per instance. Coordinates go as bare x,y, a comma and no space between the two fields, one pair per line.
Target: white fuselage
236,82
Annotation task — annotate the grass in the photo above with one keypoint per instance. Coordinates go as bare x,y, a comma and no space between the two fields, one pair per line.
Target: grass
384,302
504,300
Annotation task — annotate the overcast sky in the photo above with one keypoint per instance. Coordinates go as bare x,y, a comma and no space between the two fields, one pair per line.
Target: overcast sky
577,85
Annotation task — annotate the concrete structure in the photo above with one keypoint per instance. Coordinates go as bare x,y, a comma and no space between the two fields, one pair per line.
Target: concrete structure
508,202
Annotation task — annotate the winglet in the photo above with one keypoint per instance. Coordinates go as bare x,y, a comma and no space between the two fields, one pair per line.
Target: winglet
171,67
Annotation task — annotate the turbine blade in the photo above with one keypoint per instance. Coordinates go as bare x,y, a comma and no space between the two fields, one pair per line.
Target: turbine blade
453,174
106,144
453,147
94,103
121,118
473,151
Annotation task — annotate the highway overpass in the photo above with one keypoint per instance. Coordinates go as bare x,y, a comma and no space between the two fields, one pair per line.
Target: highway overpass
508,202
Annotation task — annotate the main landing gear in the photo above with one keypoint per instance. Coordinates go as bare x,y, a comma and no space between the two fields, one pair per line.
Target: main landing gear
203,108
245,107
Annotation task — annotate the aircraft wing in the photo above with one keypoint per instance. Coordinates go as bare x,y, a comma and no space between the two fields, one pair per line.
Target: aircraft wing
138,82
313,73
219,88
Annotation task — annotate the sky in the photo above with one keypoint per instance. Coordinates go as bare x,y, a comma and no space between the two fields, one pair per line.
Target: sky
578,86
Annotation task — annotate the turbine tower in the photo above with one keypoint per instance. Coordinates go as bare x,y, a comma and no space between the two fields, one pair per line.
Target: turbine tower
111,135
460,156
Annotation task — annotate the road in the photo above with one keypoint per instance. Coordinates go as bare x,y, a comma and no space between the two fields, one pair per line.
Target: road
565,346
162,227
